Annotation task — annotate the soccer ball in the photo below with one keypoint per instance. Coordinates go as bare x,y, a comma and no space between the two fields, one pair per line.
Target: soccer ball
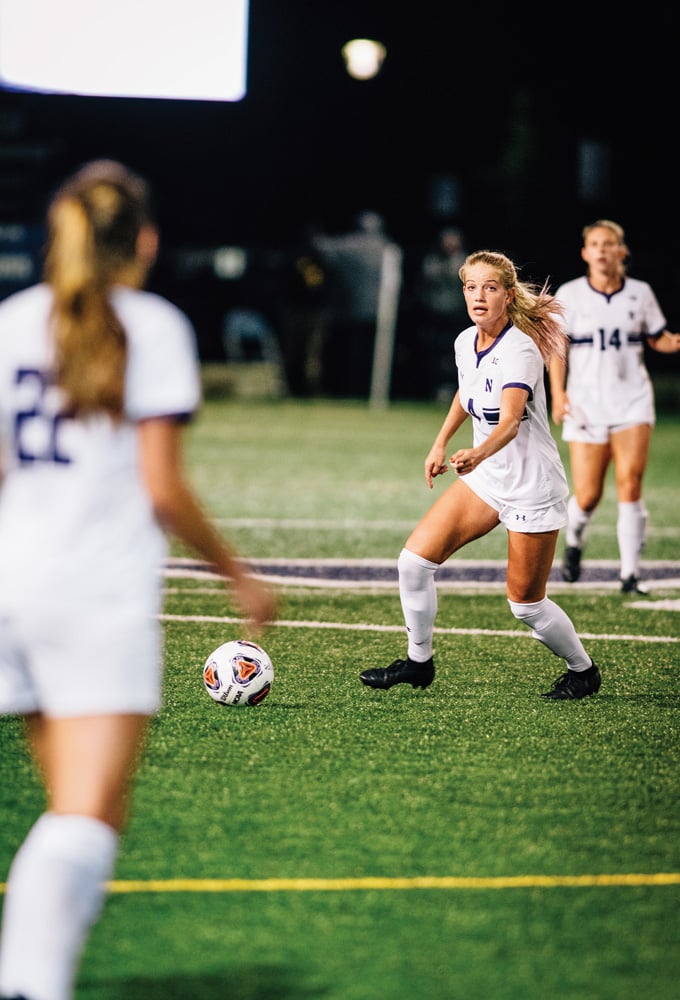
238,672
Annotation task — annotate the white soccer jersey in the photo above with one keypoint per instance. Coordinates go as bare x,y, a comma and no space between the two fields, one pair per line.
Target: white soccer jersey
528,472
80,550
607,381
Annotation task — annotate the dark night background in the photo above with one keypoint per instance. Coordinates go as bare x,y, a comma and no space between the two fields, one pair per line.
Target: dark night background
501,100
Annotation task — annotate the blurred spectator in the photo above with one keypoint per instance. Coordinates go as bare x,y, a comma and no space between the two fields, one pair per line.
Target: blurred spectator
304,316
249,340
247,336
440,312
354,263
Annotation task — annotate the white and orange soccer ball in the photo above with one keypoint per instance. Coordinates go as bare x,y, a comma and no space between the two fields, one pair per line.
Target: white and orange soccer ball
238,672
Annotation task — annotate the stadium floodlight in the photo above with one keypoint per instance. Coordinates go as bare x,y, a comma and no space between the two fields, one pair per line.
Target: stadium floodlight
363,58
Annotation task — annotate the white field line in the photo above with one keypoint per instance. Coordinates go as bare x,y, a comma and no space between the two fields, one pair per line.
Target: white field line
466,586
362,627
342,524
493,576
190,569
664,604
176,562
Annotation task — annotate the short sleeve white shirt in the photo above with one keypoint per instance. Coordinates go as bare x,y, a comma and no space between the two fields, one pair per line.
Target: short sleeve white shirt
607,380
528,471
76,524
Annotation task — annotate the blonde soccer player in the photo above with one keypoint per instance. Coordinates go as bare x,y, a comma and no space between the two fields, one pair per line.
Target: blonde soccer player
602,394
511,475
97,379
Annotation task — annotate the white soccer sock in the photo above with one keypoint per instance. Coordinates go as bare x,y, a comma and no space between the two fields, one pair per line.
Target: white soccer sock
418,602
555,629
577,522
55,892
631,527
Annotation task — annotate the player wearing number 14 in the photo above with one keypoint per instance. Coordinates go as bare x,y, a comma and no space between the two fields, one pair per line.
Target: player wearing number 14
607,404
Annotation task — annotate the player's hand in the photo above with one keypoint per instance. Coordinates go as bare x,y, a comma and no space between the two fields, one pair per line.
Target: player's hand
258,603
435,465
464,460
560,406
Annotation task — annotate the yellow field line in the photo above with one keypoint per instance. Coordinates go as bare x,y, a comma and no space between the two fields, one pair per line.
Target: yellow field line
417,882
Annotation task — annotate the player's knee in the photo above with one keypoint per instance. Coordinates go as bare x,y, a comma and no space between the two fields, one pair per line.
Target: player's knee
524,612
588,502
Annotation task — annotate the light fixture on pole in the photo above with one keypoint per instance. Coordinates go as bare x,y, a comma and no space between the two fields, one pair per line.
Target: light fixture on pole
363,58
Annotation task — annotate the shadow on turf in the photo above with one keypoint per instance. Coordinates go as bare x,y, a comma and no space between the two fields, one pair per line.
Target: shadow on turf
239,983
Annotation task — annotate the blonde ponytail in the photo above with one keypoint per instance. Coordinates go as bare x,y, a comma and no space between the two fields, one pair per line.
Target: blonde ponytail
93,225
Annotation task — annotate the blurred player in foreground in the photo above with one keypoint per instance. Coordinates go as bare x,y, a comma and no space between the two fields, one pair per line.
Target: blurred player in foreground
512,475
606,407
97,377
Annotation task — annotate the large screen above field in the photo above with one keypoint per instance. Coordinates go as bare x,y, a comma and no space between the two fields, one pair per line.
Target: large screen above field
193,50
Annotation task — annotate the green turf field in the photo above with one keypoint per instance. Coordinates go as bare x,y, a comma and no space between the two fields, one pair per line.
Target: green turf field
471,841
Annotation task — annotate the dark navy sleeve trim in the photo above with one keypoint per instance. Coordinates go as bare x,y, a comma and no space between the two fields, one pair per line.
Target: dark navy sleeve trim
178,418
519,385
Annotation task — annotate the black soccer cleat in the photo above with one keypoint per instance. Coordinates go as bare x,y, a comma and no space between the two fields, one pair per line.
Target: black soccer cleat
400,672
575,684
571,567
631,585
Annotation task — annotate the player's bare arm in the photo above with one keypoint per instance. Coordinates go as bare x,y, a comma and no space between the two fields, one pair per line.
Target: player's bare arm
435,462
513,403
667,343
